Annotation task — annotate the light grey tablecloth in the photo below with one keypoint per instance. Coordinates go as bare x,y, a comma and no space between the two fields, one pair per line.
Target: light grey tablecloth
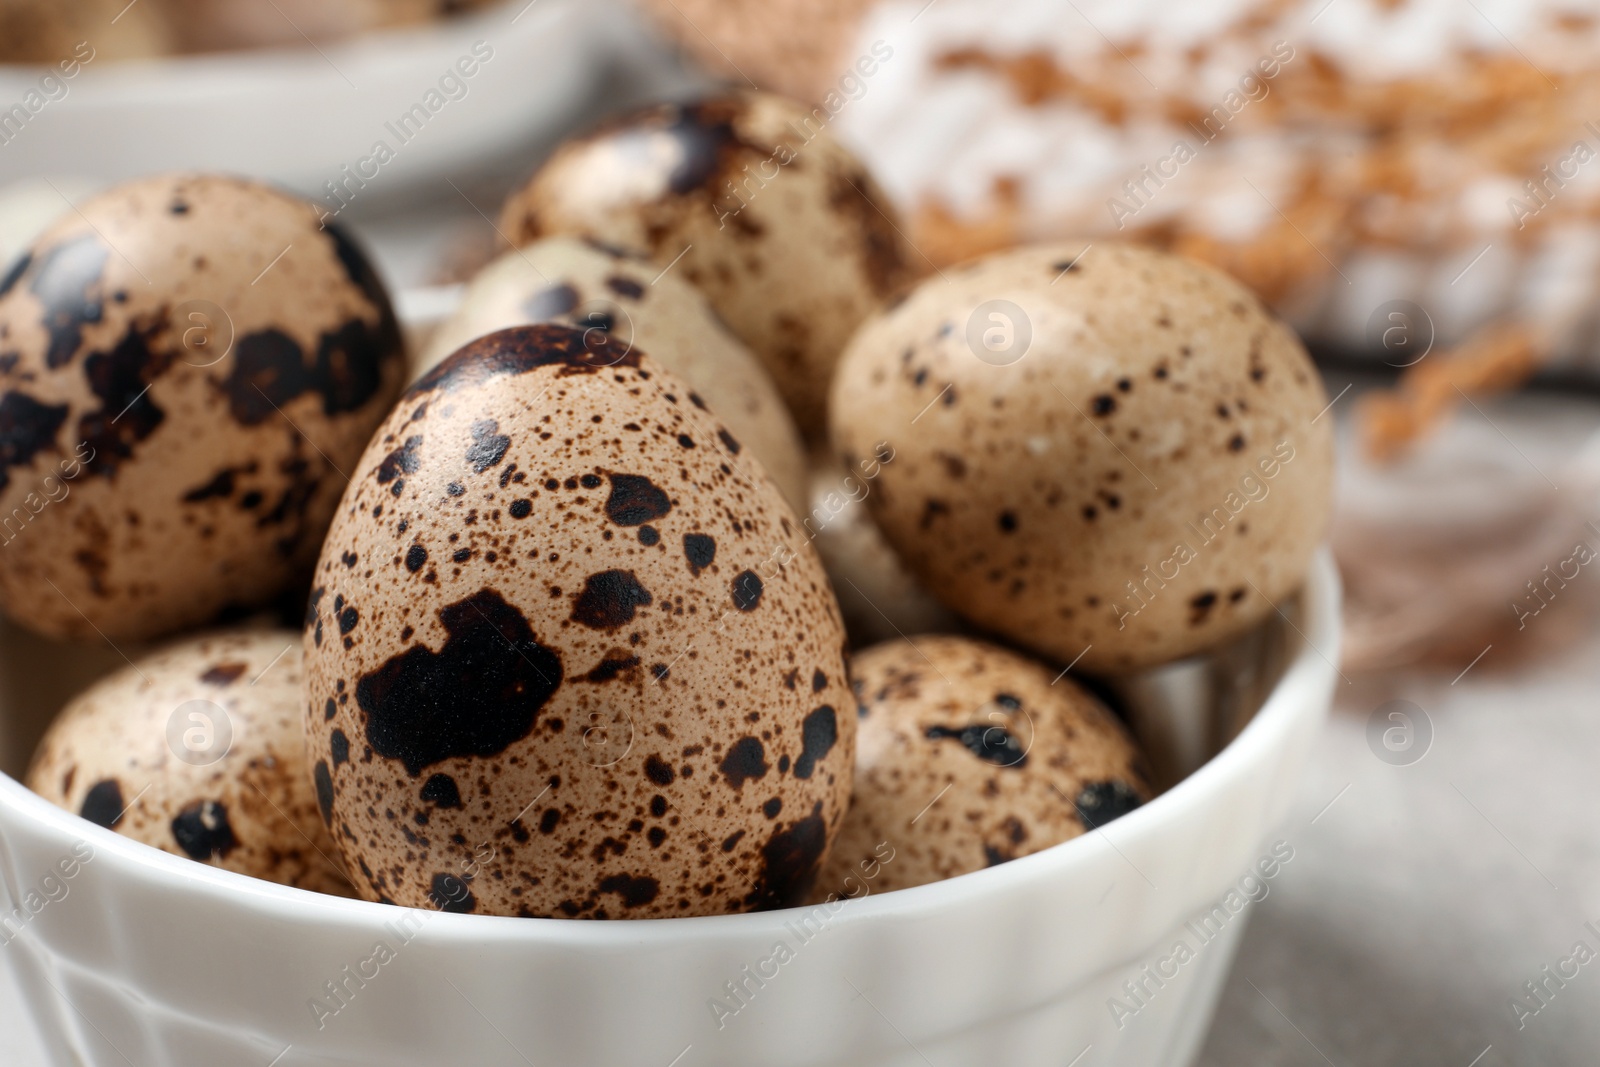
1423,897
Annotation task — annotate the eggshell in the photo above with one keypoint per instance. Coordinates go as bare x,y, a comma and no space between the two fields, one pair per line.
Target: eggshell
577,283
878,597
969,755
1113,453
188,366
198,749
585,662
779,225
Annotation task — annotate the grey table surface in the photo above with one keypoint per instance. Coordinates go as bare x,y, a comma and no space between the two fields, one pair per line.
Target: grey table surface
1423,897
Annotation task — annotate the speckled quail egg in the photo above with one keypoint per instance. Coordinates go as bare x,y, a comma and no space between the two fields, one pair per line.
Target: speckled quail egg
968,755
779,225
187,366
561,279
878,597
198,749
1113,453
581,656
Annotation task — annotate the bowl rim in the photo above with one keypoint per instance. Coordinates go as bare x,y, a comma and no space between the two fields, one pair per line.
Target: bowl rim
1299,691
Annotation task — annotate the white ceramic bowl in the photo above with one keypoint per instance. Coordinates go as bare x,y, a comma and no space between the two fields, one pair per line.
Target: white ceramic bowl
298,116
146,958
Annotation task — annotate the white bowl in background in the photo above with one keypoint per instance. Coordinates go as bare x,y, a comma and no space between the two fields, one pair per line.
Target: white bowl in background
149,958
297,116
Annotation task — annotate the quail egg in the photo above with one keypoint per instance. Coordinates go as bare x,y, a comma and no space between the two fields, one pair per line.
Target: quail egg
198,749
969,755
561,279
583,661
878,597
1114,453
749,196
188,366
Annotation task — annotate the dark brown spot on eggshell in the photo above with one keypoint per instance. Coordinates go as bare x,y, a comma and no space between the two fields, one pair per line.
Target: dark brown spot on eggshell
203,832
608,668
635,891
635,499
339,747
522,349
323,780
27,428
659,771
103,804
270,370
746,759
223,674
747,590
488,445
609,600
450,893
790,859
479,693
625,287
120,377
818,734
406,459
441,790
700,550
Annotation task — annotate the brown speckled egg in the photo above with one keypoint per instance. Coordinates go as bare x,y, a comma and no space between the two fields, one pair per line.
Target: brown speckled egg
187,365
198,749
968,755
581,284
1113,454
878,597
778,224
587,664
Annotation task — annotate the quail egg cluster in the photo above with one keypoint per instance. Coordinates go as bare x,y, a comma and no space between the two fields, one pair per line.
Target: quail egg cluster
710,561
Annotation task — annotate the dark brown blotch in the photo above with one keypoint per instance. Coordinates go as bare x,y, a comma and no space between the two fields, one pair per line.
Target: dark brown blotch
746,759
222,674
481,692
636,500
525,348
700,550
609,600
441,790
488,445
103,804
818,734
202,830
747,590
